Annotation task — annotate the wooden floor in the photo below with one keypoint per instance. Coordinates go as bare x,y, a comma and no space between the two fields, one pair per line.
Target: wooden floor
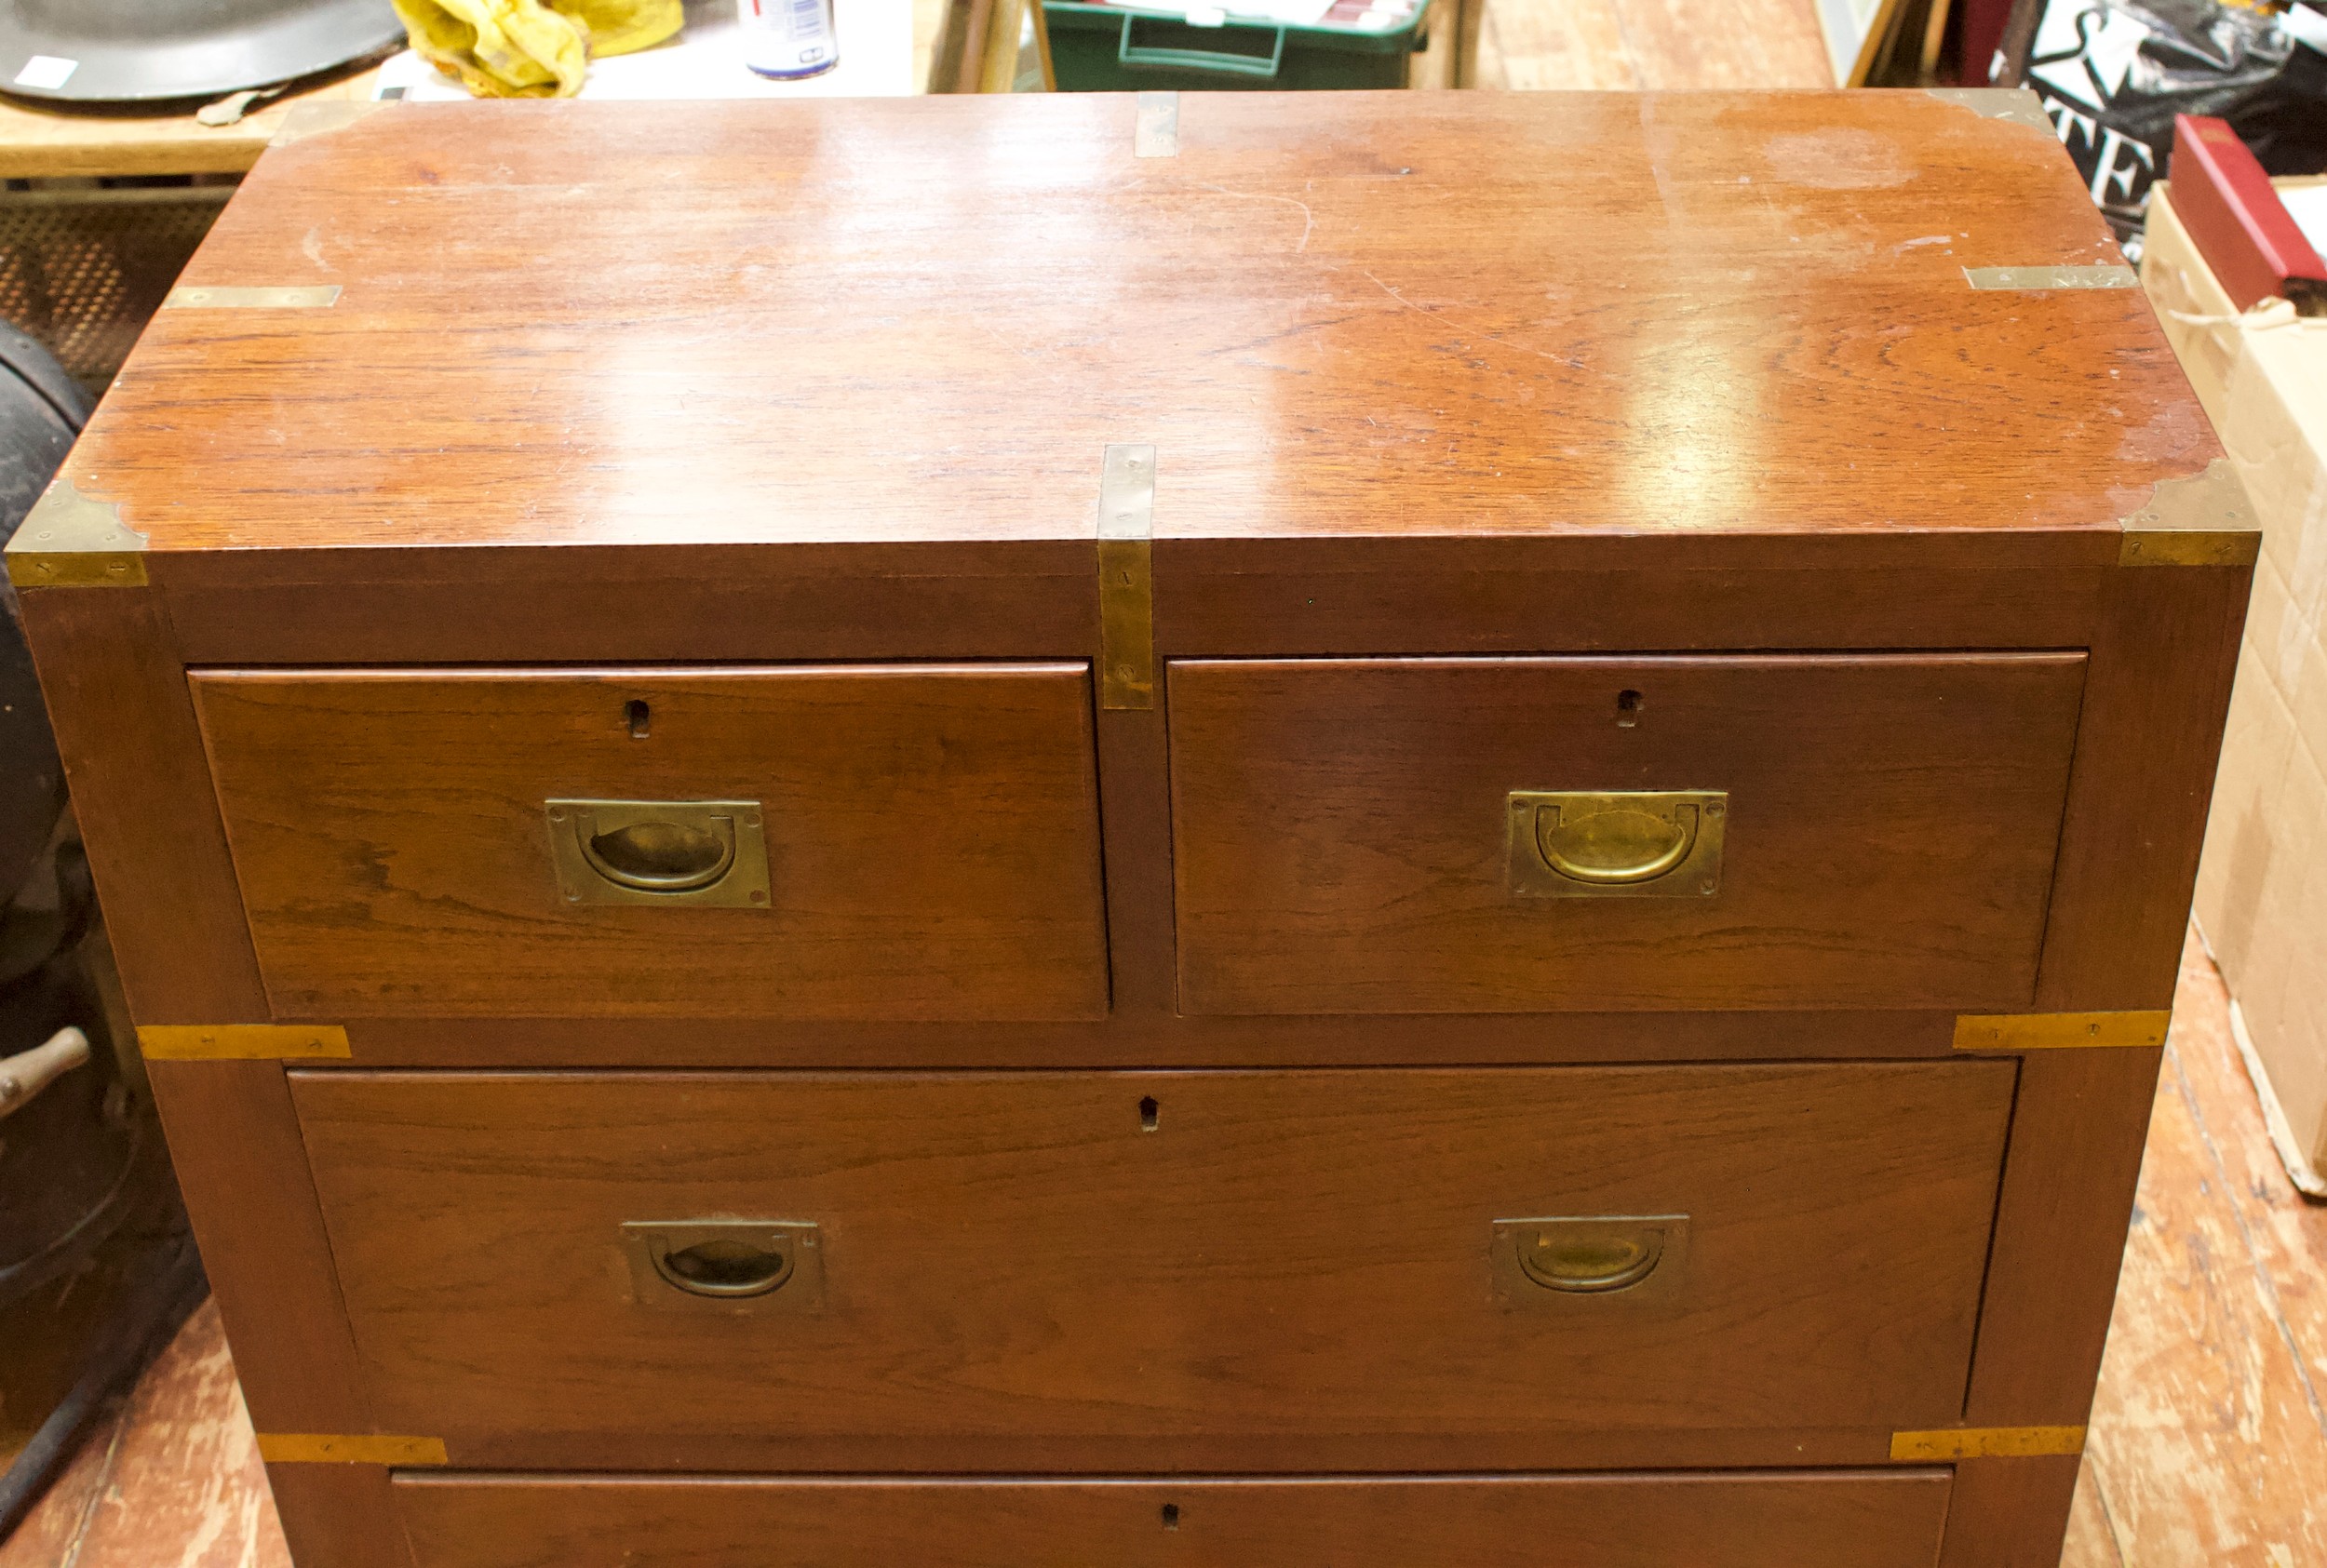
2209,1442
2209,1445
1616,45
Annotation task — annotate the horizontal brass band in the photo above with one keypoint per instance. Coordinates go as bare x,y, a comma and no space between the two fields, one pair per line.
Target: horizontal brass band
1987,1443
241,1042
2187,547
344,1448
320,296
2058,1031
2038,280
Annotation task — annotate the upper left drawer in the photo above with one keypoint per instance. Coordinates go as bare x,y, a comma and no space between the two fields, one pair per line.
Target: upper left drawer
805,842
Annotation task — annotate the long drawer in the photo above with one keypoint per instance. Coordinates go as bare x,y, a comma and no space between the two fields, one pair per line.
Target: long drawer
1810,1519
1523,834
1102,1270
832,842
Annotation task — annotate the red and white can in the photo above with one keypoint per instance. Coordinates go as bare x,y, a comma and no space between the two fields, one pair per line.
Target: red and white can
788,39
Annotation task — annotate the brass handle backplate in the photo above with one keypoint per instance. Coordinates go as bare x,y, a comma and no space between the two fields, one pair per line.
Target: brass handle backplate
1538,1262
1615,844
741,1265
664,852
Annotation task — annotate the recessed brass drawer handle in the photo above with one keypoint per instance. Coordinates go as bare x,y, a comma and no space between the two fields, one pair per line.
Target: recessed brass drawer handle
663,857
1623,843
727,1261
1592,1254
659,852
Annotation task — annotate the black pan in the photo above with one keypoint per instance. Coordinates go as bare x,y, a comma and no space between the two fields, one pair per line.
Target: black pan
141,51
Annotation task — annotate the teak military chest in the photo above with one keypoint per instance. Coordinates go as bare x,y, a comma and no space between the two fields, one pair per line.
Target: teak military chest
1362,829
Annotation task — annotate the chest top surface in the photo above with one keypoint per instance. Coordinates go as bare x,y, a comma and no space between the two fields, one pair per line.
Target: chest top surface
1332,314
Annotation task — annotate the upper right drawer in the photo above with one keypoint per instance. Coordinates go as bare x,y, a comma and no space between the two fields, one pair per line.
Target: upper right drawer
1597,833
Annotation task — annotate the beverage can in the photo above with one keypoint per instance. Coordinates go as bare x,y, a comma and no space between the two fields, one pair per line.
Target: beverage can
788,39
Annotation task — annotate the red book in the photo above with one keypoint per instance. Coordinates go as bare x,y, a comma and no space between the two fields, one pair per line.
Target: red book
2237,223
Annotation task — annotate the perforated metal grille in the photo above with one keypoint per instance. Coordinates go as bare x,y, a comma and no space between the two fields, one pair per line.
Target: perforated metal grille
83,271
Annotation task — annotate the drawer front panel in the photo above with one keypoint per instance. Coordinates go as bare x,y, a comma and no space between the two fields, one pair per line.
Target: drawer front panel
991,1269
1813,1519
1369,836
899,842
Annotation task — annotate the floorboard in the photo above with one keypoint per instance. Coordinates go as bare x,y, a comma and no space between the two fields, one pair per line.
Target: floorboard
2209,1440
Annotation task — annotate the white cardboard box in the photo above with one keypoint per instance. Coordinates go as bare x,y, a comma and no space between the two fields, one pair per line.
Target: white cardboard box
2261,887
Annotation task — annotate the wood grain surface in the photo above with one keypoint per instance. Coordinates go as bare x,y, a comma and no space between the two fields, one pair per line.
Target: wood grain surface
1340,831
42,140
2205,1442
921,320
241,1164
1806,1521
2147,745
113,678
2077,1134
1016,1274
932,836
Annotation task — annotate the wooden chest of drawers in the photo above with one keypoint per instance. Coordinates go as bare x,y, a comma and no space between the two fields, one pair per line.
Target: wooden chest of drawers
1366,829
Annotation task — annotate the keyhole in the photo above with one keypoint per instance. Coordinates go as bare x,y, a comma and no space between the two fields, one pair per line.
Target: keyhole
1171,1516
636,712
1146,1124
1628,706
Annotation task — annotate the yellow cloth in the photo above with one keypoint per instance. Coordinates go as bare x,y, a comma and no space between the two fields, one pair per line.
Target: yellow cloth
531,49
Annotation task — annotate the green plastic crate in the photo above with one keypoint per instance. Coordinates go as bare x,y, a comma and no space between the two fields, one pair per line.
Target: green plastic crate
1116,48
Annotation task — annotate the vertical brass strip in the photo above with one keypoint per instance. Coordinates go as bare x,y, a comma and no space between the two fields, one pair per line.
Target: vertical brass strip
1987,1443
2198,519
1128,578
1155,134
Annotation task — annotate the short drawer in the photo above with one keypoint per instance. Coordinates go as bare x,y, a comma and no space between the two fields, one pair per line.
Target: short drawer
1811,1520
1376,836
1096,1270
900,842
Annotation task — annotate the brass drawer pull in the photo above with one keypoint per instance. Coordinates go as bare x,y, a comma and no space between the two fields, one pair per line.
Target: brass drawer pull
1598,1254
659,852
726,1261
1635,843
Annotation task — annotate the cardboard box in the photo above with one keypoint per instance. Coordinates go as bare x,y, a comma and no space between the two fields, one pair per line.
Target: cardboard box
2262,888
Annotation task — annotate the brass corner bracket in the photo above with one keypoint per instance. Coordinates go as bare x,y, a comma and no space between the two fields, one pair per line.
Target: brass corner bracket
242,1042
1987,1443
2019,105
349,1448
69,540
1127,577
2059,1031
2198,519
